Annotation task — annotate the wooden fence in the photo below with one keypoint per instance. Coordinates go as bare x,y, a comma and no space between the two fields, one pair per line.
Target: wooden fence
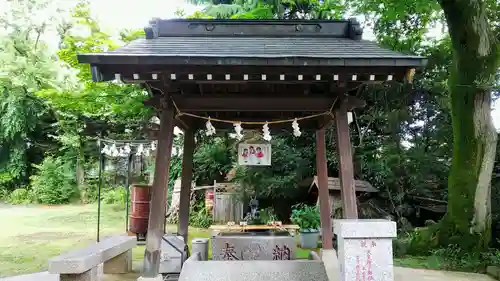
226,206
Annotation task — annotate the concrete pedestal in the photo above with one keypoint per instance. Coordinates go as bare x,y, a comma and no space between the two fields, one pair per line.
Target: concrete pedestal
365,249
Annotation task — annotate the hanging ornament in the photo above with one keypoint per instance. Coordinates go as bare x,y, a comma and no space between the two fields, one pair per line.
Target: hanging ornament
155,120
140,150
296,128
125,150
238,130
105,150
146,152
153,145
121,152
114,151
266,133
210,128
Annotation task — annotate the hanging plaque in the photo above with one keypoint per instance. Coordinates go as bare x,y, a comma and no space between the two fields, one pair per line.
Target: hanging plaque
254,154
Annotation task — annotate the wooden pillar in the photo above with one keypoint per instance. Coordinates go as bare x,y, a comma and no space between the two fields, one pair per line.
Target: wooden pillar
325,206
186,182
159,195
346,170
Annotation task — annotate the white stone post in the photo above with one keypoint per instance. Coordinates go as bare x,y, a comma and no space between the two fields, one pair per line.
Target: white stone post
365,249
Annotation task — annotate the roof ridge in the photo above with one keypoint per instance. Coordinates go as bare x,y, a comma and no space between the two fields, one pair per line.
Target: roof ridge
350,28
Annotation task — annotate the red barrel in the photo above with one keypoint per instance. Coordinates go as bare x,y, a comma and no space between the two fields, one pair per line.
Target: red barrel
140,196
209,200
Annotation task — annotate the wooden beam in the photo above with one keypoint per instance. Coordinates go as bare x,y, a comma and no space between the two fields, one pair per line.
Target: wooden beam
352,102
241,81
323,193
325,121
258,104
305,125
346,170
158,206
128,70
186,182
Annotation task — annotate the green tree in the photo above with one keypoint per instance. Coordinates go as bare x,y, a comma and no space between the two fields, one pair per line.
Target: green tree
474,34
27,66
268,9
476,62
108,109
473,31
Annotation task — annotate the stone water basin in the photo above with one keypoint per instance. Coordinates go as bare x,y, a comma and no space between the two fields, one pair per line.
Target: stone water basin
253,245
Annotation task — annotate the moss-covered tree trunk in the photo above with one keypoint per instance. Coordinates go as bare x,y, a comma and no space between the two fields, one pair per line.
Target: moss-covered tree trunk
475,63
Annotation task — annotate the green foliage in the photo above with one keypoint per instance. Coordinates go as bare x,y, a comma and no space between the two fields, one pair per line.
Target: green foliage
455,258
4,195
269,9
27,66
405,26
115,195
20,196
199,216
266,215
54,183
213,158
111,110
88,193
292,160
306,217
418,242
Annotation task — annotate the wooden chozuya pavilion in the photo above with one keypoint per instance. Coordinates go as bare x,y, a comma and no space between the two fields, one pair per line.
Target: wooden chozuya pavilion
254,71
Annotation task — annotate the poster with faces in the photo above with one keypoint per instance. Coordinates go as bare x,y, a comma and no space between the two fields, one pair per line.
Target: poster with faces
254,154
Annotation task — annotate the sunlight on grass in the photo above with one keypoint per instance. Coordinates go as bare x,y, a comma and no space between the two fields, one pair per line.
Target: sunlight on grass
419,262
31,235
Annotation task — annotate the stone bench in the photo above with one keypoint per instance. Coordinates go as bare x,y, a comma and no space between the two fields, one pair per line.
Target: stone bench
253,270
82,265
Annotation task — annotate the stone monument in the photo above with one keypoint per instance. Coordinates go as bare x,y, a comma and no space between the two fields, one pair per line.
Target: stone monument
365,249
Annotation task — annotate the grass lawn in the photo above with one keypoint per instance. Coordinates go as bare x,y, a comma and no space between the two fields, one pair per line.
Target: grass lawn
430,262
30,235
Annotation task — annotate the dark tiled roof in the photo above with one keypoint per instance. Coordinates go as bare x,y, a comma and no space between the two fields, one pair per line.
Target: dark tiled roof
258,47
253,43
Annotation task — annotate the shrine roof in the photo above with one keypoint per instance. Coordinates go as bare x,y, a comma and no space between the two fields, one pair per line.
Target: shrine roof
253,43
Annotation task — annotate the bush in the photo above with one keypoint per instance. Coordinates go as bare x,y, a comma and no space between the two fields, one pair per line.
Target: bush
268,215
88,193
306,217
20,196
116,195
54,182
454,258
199,216
4,195
421,241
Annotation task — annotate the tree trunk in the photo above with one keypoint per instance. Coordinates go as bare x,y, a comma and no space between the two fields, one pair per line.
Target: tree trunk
80,169
467,222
